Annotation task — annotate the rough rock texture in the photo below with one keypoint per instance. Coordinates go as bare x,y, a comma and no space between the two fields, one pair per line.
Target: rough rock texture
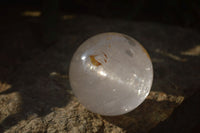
184,119
38,98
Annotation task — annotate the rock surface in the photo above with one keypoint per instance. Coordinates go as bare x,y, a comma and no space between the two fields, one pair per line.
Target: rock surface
38,98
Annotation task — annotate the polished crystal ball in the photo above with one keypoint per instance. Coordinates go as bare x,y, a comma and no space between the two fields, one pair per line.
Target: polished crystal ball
111,74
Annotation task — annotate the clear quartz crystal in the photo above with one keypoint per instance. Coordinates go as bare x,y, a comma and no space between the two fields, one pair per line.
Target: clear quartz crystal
111,74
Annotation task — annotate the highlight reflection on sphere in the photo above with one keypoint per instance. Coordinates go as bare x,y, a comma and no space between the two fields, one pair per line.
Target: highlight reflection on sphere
111,74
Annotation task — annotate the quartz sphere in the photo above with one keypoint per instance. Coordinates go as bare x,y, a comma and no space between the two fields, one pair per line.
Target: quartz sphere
111,74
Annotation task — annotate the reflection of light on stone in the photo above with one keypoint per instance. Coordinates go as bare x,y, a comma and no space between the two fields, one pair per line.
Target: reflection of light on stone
4,86
146,94
98,70
102,73
31,13
83,57
92,67
195,51
141,89
38,14
170,55
161,96
115,78
55,74
67,17
139,92
126,108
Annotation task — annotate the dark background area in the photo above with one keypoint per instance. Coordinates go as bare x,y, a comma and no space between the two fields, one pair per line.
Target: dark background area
185,13
17,49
